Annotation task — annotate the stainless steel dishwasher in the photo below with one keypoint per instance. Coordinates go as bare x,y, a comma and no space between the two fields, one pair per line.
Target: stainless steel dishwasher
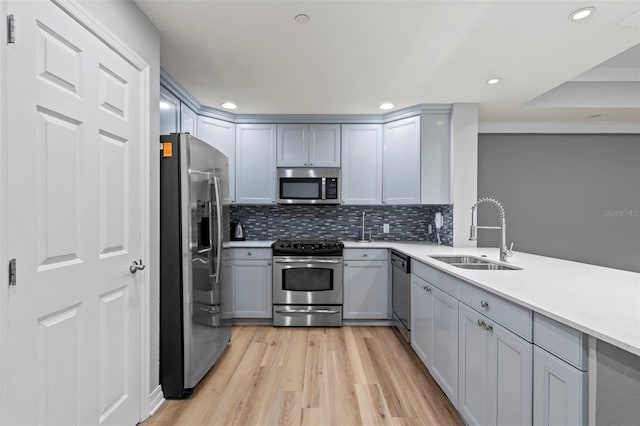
400,282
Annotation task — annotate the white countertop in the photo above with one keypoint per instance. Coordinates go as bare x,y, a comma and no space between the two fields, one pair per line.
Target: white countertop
602,302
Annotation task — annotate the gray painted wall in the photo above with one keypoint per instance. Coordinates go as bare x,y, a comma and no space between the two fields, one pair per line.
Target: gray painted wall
618,386
574,197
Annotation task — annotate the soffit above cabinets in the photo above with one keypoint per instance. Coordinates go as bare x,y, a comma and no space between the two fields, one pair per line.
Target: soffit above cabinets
353,55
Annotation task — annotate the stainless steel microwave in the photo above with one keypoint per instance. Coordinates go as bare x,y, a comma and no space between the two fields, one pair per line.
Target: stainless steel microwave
308,186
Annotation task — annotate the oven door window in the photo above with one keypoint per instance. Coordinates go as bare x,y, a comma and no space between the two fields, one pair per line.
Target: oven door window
300,188
307,279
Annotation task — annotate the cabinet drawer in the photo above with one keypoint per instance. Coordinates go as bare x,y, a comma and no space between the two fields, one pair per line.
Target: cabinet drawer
251,254
443,281
561,340
365,254
512,316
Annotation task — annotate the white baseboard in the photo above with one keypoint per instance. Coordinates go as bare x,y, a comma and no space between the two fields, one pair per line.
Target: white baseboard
156,399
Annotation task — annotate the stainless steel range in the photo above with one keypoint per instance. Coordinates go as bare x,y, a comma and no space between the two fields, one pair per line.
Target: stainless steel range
307,283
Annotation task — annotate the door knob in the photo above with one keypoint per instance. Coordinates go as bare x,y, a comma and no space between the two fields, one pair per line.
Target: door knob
135,266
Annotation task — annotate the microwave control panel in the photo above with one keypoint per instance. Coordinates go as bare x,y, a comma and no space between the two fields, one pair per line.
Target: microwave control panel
332,189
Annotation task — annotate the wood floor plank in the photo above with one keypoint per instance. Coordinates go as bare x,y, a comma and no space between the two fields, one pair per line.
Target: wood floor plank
372,405
313,376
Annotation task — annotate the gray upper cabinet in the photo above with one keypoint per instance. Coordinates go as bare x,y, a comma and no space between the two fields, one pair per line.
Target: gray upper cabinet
169,112
222,136
362,164
255,163
308,145
401,162
436,136
188,120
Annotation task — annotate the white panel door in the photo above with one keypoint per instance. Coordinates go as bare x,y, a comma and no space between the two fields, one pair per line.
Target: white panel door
401,162
222,136
324,145
74,130
362,163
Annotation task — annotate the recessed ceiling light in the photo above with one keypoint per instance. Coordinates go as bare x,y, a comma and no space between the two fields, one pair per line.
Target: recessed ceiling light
386,105
583,13
164,105
494,80
302,18
229,105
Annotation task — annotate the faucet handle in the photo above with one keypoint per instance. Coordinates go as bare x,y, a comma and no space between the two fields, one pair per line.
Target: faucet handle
510,250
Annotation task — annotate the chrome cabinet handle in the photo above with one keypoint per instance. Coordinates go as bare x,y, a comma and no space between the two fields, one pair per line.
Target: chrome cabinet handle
427,288
346,264
135,266
249,253
487,327
269,263
365,255
484,304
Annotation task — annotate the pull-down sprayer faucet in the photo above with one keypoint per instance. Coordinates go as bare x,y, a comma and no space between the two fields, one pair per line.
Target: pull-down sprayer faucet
504,252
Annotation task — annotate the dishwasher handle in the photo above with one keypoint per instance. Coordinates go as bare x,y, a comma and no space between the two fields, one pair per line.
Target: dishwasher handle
401,261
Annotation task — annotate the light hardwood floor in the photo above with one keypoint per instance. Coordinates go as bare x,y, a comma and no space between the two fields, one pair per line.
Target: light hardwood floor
313,376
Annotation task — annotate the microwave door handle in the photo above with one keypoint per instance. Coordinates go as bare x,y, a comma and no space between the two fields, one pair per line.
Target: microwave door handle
218,200
334,262
324,189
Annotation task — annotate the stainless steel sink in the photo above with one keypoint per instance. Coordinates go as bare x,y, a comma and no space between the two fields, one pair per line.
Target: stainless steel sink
476,263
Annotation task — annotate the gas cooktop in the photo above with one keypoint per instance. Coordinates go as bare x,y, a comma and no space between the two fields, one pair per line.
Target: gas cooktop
308,247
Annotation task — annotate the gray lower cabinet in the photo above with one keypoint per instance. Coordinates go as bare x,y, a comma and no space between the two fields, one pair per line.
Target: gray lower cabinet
560,374
434,333
495,372
558,391
252,283
366,285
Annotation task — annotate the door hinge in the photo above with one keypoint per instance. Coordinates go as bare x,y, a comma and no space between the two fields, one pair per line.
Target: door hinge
11,29
12,273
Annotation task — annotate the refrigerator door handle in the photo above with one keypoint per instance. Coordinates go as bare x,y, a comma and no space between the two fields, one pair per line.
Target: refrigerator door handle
218,200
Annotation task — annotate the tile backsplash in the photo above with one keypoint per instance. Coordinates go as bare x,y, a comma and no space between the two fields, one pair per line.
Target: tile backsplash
406,223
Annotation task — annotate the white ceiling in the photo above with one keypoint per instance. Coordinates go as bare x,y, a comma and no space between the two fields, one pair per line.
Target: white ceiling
354,55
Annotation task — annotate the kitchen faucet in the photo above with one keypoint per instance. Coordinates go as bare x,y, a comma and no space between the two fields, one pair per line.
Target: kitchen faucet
504,252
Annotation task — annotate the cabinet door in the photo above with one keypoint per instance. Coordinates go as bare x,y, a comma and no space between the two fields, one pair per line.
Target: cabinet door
401,162
435,145
362,164
495,372
324,145
511,370
252,292
222,136
422,319
255,164
474,397
169,112
559,391
366,290
293,145
444,359
188,120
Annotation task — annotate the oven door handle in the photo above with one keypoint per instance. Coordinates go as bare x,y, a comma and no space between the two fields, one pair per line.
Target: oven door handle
333,262
307,311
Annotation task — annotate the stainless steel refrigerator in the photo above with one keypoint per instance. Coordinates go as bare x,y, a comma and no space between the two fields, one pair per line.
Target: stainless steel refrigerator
195,293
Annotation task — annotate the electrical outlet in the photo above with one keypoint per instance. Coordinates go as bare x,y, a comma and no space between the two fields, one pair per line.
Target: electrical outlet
429,230
385,228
